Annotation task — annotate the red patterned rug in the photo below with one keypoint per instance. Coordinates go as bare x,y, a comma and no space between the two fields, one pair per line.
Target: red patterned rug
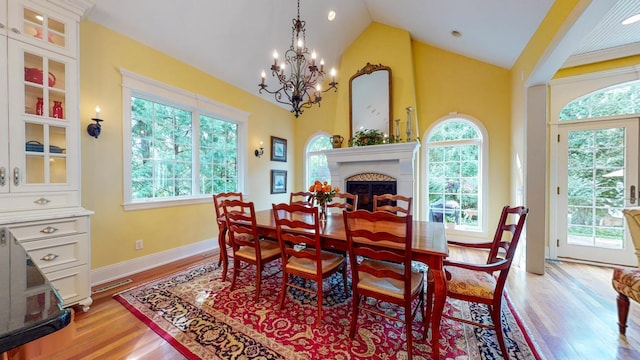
197,313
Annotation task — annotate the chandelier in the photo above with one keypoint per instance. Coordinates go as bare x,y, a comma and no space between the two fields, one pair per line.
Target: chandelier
298,74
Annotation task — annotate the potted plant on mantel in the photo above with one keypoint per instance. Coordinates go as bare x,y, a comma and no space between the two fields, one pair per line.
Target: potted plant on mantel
367,137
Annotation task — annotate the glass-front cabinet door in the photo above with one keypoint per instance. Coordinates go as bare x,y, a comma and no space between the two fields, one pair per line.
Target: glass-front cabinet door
42,110
42,27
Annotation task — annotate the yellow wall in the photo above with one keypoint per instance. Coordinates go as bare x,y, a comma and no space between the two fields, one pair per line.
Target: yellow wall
448,82
114,231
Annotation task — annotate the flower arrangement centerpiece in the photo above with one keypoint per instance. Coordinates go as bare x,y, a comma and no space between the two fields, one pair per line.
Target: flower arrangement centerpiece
323,193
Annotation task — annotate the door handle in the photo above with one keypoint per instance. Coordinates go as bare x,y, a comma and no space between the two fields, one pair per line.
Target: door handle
632,192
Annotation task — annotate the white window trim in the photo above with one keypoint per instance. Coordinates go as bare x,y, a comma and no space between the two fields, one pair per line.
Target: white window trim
308,153
132,84
459,234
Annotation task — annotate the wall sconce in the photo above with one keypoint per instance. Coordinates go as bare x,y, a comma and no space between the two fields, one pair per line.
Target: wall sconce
95,129
259,152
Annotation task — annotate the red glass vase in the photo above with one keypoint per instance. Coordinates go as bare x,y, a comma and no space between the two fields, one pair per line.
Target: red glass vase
39,107
57,110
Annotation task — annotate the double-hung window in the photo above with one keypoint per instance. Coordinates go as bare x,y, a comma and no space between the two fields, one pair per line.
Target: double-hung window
179,147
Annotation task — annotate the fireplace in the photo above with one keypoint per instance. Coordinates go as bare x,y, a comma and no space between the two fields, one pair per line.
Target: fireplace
388,162
367,185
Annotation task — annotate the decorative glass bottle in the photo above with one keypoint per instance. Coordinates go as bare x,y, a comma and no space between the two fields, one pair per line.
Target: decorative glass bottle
39,107
57,110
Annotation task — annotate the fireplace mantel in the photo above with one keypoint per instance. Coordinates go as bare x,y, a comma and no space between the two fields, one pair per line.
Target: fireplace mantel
395,160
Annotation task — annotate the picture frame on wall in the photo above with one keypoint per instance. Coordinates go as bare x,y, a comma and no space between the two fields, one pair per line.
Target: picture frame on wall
278,149
278,181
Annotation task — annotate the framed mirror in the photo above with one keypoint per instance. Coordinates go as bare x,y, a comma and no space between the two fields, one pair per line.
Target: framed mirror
370,99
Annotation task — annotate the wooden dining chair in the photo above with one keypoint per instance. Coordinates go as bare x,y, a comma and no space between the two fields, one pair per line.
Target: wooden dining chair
484,283
223,240
392,203
298,232
247,246
379,248
344,201
304,198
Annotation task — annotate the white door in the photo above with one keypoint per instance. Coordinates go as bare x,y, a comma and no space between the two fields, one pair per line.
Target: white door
597,177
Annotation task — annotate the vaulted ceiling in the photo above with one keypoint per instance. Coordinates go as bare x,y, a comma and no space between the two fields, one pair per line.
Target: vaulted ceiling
234,40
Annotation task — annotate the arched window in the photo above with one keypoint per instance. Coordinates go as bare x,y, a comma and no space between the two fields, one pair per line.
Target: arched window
455,161
316,161
621,99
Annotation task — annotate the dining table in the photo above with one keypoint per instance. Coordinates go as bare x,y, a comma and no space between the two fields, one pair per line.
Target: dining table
429,246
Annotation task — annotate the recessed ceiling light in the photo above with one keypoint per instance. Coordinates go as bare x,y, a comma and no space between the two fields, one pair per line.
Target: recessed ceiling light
631,20
332,15
456,33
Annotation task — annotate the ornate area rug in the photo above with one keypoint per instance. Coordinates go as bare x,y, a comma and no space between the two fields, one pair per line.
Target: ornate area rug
197,313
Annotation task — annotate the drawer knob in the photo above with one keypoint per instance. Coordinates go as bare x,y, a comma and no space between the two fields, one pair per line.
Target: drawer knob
48,230
42,201
49,257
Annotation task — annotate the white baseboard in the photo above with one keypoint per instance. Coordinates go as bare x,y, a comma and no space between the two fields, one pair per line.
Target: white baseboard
126,268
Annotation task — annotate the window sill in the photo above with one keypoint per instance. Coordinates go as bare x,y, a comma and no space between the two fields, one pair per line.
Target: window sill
164,203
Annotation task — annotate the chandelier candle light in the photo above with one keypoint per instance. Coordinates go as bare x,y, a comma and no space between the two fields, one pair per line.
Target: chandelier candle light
301,88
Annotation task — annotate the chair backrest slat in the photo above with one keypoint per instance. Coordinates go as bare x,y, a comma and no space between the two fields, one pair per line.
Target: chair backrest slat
381,236
507,234
219,198
304,198
298,225
392,203
347,202
241,222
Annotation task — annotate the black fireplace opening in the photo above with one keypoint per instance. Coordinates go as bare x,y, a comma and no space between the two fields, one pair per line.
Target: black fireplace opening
366,189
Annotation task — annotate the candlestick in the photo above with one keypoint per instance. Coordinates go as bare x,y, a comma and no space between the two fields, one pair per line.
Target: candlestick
409,108
397,130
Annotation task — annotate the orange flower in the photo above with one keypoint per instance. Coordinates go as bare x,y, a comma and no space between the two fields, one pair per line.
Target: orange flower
323,192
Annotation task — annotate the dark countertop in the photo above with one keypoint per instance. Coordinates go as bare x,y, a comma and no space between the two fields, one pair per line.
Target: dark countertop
30,308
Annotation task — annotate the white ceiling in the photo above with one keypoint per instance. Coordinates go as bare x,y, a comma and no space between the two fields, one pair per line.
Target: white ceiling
234,39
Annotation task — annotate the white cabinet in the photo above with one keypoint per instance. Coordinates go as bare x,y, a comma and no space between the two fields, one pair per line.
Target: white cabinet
40,140
39,162
60,249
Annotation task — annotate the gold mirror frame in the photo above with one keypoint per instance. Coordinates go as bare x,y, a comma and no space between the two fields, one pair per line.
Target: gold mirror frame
370,100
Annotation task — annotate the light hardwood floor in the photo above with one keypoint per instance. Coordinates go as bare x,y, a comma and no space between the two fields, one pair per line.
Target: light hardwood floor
570,313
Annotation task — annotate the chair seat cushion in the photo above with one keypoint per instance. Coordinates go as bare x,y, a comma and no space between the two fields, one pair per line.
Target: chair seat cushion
470,282
268,249
388,286
329,262
627,282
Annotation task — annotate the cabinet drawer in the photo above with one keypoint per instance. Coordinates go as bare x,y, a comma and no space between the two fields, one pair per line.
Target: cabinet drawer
72,284
31,201
48,229
58,253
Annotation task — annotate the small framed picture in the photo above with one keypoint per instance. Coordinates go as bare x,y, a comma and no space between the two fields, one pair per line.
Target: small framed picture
278,149
278,181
